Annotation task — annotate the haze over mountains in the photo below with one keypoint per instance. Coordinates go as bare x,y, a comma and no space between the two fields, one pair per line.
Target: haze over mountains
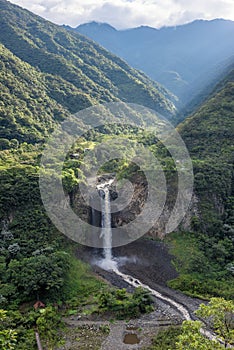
184,58
66,72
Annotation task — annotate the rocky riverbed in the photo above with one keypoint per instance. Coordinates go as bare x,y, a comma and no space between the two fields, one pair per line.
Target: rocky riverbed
149,262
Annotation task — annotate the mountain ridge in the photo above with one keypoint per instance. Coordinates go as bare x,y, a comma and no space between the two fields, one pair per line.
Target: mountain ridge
107,25
178,56
71,62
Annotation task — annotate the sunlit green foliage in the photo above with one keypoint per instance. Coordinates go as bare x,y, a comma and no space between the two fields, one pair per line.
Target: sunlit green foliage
191,335
220,315
123,304
165,339
192,339
203,265
209,134
48,324
47,73
70,70
8,337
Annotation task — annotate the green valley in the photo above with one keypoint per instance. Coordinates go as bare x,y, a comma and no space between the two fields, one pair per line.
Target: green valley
48,73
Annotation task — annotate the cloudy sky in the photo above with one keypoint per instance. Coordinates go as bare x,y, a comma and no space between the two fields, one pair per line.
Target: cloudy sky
129,13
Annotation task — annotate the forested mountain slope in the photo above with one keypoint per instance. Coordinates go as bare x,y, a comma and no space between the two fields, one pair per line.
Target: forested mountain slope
46,74
73,71
209,135
201,94
28,113
205,254
184,58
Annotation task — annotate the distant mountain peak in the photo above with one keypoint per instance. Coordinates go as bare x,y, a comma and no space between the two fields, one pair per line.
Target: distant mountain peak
142,27
96,25
190,50
104,25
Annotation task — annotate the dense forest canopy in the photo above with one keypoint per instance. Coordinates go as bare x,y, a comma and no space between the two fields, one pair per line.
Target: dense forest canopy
48,73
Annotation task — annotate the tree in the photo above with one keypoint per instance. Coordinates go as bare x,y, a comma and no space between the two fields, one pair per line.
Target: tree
192,339
165,339
4,144
8,337
39,275
48,324
220,315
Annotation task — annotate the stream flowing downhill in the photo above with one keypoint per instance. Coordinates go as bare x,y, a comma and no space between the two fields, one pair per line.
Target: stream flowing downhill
111,264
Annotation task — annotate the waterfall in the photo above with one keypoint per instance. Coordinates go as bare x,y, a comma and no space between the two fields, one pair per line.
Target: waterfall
106,224
108,263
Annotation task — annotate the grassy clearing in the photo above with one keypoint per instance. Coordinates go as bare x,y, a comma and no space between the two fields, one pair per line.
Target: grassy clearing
81,284
199,276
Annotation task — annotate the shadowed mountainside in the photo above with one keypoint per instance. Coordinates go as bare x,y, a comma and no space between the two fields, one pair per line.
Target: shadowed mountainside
70,71
184,58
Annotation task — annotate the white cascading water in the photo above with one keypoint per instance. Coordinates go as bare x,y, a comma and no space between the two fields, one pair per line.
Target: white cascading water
108,262
106,225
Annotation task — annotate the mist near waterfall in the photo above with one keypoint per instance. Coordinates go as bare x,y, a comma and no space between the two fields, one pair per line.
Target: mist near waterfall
114,263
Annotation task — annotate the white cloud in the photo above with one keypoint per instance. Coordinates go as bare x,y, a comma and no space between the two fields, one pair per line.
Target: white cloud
129,13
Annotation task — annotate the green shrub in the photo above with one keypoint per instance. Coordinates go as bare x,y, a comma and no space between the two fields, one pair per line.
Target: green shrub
123,304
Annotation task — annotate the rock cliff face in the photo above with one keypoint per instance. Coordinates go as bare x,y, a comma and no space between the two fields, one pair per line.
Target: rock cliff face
137,204
133,207
80,206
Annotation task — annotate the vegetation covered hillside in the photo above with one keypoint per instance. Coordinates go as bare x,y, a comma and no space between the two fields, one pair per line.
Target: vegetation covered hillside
28,113
209,135
77,72
46,74
184,58
202,94
205,256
